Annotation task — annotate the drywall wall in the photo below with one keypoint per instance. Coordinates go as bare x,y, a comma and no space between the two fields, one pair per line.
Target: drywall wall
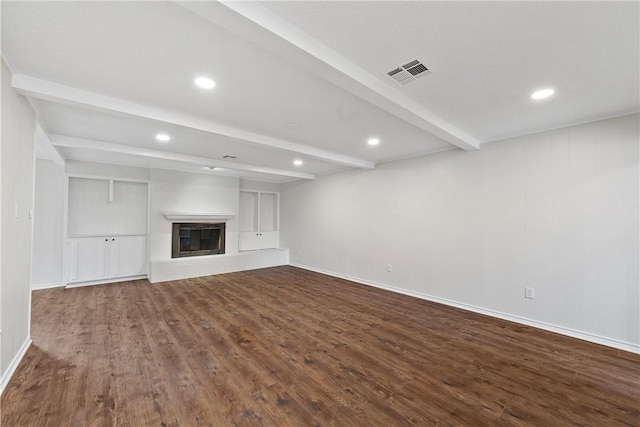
556,211
173,191
17,179
48,220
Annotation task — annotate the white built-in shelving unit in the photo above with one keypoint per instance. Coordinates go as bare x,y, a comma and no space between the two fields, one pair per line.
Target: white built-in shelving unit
259,220
106,230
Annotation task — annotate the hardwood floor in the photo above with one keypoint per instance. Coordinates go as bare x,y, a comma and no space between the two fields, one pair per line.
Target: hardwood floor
288,347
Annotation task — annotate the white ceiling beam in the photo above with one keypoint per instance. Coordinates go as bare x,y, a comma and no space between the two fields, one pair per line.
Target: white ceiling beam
67,95
44,147
145,163
254,22
90,144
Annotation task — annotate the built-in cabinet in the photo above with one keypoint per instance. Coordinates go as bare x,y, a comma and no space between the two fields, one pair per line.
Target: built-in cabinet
106,257
106,229
258,220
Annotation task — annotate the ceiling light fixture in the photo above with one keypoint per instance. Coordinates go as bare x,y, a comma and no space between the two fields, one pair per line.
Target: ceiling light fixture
293,125
163,137
373,141
542,94
297,162
205,83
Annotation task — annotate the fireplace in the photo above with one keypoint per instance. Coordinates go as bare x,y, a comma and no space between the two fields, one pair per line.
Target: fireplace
197,239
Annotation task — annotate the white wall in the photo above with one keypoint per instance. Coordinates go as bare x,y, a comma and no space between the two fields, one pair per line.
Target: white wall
199,193
173,191
17,178
557,211
46,267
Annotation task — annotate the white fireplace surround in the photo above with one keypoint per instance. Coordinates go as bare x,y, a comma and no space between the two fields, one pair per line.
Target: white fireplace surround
198,217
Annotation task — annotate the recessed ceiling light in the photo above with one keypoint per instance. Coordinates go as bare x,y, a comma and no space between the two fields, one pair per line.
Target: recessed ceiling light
163,137
542,94
373,141
293,125
205,83
297,162
210,167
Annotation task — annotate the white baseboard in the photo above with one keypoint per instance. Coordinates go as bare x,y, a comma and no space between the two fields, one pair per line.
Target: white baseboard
14,365
105,281
586,336
38,286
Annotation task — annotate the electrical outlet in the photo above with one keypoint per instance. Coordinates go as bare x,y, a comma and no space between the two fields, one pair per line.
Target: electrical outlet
529,293
389,268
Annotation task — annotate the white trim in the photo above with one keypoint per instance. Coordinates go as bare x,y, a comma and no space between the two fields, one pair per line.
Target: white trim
14,364
196,217
251,190
586,336
40,286
83,236
106,177
105,281
31,217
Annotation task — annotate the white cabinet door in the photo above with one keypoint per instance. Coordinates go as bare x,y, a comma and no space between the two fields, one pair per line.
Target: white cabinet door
248,241
269,240
128,255
88,258
102,258
251,240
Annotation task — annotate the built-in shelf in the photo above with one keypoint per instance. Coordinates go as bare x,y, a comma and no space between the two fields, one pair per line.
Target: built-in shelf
198,217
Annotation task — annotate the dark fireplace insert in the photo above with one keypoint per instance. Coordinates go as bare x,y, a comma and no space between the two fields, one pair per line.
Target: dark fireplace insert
196,239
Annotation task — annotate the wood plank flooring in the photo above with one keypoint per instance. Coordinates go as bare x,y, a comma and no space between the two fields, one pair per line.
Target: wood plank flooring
288,347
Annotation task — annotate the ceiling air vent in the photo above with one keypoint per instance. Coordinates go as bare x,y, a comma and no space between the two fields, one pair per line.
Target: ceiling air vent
409,72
